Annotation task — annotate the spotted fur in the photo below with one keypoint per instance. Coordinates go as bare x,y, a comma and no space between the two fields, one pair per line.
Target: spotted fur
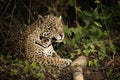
36,41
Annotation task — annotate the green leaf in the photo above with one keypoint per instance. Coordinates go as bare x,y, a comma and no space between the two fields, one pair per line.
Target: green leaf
78,9
71,2
26,63
112,47
110,72
90,63
88,13
96,12
103,17
96,33
34,65
68,31
26,69
86,52
95,61
40,75
78,51
97,24
14,72
72,55
97,1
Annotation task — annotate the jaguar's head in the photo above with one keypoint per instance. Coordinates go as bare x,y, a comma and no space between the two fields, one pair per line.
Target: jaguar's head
52,27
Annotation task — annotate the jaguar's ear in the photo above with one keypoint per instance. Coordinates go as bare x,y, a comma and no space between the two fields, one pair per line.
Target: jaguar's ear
41,19
60,18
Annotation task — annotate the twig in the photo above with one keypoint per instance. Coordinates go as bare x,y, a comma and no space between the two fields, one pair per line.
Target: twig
6,8
27,9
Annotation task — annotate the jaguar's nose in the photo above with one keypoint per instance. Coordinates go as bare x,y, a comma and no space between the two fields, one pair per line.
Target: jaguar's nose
58,37
62,35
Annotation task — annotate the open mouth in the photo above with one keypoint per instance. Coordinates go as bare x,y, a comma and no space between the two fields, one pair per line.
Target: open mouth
57,40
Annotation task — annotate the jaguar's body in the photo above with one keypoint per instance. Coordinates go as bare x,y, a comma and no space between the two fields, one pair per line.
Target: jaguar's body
36,41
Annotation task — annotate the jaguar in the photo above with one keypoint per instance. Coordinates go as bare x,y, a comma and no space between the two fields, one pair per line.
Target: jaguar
36,41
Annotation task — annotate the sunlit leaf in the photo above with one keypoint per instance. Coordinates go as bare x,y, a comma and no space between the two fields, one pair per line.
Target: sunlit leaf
41,75
97,1
86,52
90,63
34,65
88,13
72,55
71,2
97,24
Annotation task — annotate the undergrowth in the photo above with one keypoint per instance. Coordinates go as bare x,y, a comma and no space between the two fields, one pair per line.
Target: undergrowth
88,28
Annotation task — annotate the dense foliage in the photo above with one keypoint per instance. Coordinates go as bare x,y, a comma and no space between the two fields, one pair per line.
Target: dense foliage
91,28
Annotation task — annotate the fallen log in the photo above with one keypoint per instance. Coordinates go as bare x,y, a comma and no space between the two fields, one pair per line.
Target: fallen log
77,68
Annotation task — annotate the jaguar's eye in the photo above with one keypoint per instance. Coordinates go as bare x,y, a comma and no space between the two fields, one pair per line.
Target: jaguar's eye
55,28
41,37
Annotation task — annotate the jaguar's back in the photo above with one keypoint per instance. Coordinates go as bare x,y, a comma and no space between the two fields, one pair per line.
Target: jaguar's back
36,41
